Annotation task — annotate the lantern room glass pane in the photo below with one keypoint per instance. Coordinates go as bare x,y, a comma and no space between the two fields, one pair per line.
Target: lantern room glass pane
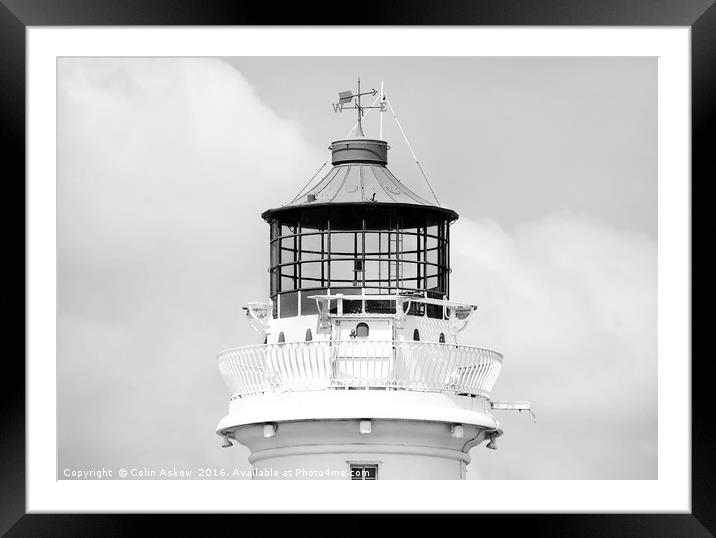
311,274
289,304
308,306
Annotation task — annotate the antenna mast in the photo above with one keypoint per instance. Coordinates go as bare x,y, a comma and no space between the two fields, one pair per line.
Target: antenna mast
382,109
360,112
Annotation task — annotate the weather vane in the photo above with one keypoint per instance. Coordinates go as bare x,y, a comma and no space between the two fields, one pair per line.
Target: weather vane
348,96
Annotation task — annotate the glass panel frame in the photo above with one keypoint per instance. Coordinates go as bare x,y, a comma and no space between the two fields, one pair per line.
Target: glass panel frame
379,258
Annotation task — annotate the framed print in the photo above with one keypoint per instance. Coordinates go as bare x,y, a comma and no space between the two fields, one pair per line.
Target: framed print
445,250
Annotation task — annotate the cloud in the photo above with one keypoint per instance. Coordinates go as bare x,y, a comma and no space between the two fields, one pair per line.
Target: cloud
571,302
163,167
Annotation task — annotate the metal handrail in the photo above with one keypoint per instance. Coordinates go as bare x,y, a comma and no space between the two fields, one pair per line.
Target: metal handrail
357,363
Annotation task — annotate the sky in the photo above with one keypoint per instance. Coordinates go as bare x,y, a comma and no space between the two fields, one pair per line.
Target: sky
164,166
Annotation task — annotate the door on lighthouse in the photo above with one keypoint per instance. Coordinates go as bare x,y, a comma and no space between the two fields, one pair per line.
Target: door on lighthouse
363,352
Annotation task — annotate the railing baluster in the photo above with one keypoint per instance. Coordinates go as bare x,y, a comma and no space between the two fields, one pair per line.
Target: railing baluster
295,366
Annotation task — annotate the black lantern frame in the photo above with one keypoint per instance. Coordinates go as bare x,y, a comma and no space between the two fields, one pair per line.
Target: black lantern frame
357,248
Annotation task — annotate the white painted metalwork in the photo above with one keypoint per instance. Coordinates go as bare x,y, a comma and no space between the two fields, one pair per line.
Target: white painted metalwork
346,364
462,309
258,315
459,316
514,406
511,406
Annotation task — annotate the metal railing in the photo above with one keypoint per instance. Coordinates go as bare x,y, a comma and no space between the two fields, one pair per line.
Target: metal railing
390,365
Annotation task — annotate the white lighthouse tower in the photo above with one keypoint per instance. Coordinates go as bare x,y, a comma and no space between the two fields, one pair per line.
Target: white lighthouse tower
360,372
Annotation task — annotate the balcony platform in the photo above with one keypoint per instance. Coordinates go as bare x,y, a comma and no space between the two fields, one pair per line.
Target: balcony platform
326,405
358,363
351,379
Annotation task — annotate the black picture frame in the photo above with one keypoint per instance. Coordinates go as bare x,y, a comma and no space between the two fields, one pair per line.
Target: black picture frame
17,15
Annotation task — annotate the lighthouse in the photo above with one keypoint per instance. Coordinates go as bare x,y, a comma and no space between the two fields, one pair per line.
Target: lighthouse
359,371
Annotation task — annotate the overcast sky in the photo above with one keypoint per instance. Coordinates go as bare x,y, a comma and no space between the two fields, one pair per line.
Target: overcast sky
164,166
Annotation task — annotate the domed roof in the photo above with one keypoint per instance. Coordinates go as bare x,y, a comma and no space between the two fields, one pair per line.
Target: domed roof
360,177
359,182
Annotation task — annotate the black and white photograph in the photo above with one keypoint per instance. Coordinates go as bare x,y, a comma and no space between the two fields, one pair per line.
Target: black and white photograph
408,268
446,253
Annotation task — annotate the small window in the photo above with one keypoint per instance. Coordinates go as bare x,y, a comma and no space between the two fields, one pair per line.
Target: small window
352,307
380,307
442,338
417,309
265,339
361,471
309,336
362,330
416,335
281,338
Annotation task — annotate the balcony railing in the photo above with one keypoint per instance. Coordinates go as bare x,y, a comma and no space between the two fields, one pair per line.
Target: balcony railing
390,365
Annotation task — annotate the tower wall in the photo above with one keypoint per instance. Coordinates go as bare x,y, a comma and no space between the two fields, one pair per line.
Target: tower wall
319,434
326,449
